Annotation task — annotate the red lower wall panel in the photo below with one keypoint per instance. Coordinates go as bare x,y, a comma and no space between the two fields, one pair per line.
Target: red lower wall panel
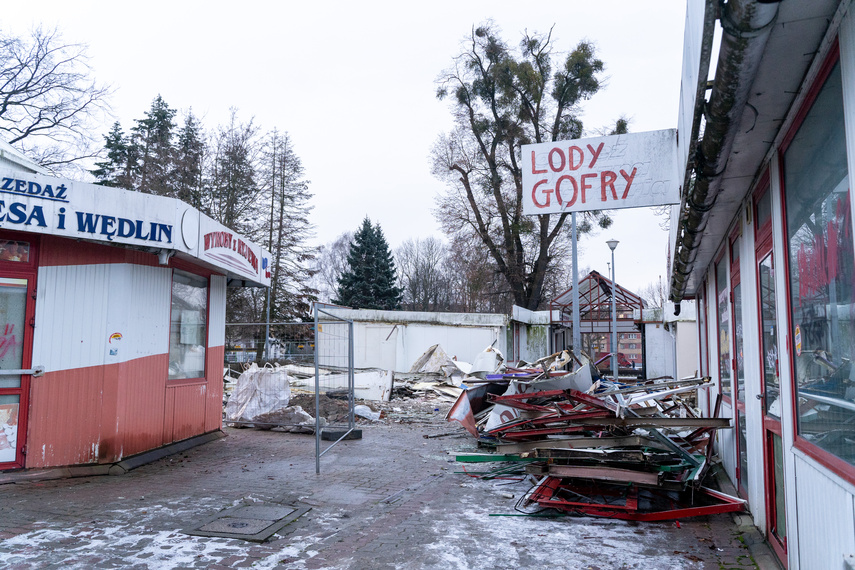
64,425
98,414
214,410
188,419
141,397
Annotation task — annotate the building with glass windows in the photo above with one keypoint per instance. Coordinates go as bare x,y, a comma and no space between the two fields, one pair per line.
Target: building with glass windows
113,311
763,241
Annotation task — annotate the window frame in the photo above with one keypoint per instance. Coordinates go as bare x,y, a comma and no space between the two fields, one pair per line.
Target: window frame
824,458
721,258
202,274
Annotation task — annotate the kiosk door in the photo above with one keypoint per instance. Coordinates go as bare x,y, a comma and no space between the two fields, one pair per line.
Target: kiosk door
15,332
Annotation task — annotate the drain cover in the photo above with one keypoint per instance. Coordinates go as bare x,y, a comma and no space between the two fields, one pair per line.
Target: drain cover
235,525
256,523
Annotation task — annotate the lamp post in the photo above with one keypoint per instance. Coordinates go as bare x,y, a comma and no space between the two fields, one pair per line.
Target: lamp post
612,243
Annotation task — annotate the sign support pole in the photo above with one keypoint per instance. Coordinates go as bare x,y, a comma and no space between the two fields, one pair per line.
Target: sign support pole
577,332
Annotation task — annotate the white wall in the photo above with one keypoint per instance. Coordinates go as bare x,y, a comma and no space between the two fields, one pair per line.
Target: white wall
687,348
393,340
78,307
658,351
826,516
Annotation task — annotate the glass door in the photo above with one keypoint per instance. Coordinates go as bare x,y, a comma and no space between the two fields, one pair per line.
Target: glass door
13,387
738,361
17,307
770,386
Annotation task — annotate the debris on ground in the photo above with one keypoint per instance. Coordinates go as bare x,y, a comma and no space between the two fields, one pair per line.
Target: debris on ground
368,384
631,450
258,392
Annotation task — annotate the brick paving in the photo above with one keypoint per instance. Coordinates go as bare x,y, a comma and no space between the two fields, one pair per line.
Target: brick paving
391,500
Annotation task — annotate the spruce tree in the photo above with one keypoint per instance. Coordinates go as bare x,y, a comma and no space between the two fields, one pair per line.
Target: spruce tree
187,171
111,171
153,135
369,280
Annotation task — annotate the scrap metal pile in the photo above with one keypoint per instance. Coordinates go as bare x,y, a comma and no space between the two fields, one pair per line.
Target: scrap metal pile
635,451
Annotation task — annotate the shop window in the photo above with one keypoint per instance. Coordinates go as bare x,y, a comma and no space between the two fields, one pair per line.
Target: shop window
188,326
723,306
736,297
763,211
820,259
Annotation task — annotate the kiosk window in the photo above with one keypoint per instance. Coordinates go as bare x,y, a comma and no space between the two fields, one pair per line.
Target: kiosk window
188,326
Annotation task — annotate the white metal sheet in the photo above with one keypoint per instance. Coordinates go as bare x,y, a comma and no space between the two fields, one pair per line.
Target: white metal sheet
619,171
826,521
217,311
71,316
138,312
91,315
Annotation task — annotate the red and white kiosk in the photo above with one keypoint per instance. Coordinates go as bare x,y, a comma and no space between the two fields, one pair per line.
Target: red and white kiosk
112,318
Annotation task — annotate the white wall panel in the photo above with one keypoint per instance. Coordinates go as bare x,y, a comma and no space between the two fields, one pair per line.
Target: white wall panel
658,350
727,443
463,342
373,342
71,316
79,307
826,519
217,311
138,309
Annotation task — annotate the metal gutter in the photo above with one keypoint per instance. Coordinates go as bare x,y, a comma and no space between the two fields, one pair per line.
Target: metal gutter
746,26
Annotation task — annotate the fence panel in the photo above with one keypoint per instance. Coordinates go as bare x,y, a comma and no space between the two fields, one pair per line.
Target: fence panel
318,359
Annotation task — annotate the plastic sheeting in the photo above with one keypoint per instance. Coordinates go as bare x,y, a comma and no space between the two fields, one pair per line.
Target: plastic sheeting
259,391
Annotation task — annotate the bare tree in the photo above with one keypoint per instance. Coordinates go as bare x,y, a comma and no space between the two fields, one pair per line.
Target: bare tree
654,294
48,101
476,285
330,263
501,99
288,229
422,268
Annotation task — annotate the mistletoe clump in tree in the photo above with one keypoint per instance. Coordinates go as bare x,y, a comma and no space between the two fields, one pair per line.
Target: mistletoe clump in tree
369,281
503,98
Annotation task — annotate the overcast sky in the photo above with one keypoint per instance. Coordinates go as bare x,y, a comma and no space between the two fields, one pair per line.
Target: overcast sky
353,84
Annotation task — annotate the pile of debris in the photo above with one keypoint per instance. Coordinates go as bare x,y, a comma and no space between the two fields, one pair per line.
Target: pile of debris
435,375
633,451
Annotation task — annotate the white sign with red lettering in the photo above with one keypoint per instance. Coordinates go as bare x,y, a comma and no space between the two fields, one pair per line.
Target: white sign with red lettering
601,173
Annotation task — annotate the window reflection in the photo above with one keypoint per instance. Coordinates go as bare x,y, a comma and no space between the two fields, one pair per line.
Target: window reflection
723,327
821,258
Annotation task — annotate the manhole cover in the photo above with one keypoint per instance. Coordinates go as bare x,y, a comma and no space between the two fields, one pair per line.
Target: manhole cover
236,526
249,522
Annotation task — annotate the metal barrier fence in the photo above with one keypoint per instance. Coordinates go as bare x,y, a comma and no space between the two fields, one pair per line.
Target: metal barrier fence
333,371
318,357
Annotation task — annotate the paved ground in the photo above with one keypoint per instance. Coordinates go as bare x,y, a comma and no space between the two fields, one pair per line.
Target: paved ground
390,500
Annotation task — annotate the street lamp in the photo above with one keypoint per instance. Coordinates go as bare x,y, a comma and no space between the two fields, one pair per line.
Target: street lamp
612,243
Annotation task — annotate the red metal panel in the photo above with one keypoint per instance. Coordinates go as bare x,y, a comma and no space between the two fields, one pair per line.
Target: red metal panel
109,446
168,417
141,395
214,407
189,415
64,251
65,418
97,414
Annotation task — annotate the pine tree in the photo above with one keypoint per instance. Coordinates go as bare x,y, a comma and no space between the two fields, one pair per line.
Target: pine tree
112,171
189,154
154,137
369,280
